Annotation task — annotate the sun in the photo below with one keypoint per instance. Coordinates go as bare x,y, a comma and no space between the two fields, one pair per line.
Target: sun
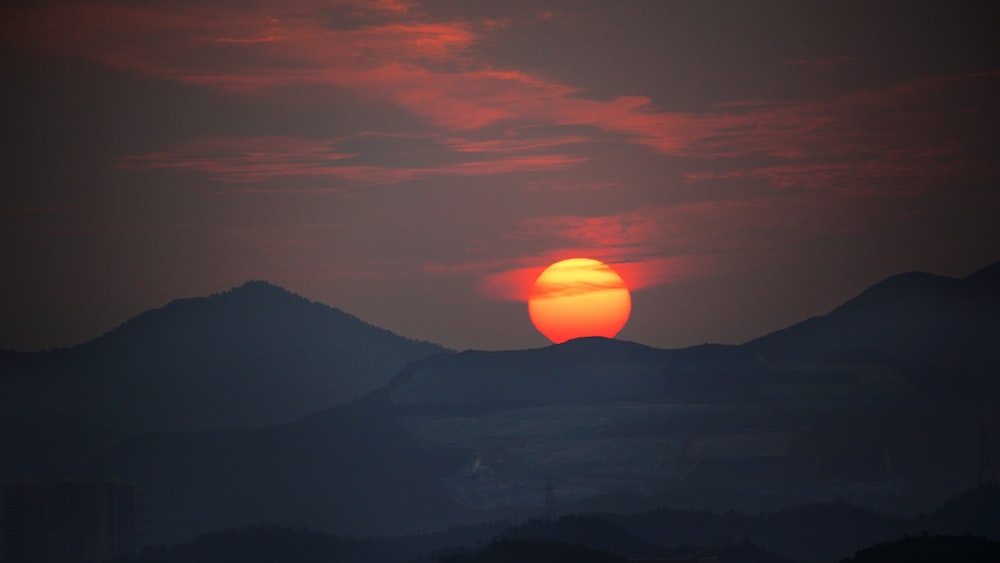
579,297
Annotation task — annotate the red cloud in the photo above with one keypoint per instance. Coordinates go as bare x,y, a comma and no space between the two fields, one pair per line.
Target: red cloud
431,68
259,159
861,141
657,245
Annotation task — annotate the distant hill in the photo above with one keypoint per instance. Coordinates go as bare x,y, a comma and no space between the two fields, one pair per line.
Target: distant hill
925,324
251,356
579,371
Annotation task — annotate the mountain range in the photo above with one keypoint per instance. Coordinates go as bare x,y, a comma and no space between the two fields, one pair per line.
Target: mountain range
258,405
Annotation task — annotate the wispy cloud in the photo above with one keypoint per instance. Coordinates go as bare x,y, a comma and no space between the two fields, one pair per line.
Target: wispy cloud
393,53
657,245
506,281
261,159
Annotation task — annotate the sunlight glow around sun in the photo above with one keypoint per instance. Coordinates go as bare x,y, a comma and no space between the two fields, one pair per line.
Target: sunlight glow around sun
579,297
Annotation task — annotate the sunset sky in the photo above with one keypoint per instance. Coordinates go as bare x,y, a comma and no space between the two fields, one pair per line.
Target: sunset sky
743,165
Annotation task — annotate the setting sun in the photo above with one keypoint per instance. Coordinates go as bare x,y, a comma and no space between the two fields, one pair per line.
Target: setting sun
579,297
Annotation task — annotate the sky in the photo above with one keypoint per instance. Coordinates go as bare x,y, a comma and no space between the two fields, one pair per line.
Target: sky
742,165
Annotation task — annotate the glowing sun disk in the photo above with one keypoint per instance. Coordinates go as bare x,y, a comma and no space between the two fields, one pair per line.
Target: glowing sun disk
579,297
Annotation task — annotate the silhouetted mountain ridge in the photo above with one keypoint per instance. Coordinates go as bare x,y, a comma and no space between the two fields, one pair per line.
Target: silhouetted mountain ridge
917,321
588,348
254,355
242,311
578,371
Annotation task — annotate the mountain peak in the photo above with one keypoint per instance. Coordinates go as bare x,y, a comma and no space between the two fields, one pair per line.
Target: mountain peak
258,289
275,354
258,285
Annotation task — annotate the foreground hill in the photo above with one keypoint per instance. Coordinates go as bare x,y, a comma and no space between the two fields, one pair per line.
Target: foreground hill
251,356
533,551
931,549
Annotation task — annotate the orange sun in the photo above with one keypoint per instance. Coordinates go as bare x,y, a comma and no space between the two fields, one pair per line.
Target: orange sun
579,297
